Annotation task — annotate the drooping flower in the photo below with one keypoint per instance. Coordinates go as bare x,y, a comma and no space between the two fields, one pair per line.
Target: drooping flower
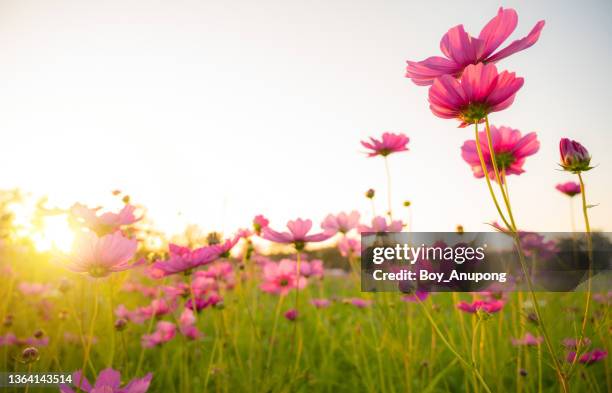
164,332
349,246
109,381
259,223
379,224
280,278
182,259
100,256
342,222
461,49
569,188
479,92
489,306
510,148
588,358
106,223
297,234
389,143
575,158
527,340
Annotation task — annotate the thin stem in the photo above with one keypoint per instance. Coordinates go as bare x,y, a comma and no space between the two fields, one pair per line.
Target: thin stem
589,239
388,172
92,324
273,336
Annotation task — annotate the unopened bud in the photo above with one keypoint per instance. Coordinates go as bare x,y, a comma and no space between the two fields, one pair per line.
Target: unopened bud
29,355
370,193
120,324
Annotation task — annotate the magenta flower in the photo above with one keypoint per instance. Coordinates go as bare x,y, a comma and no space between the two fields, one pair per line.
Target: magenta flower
187,325
100,256
461,49
109,381
479,91
280,278
359,302
107,222
575,158
164,332
342,222
527,340
297,235
379,225
489,306
320,303
182,259
389,143
588,358
259,223
510,147
570,188
348,246
418,296
291,314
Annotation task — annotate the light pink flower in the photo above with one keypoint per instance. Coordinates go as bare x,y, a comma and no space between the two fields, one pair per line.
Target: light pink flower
572,343
510,147
479,91
569,188
297,235
389,143
527,340
340,223
164,332
100,256
359,302
461,49
320,303
312,268
280,278
182,259
379,224
259,223
34,288
107,222
109,381
348,246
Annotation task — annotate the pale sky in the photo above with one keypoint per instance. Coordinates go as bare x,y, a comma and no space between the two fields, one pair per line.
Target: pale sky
221,110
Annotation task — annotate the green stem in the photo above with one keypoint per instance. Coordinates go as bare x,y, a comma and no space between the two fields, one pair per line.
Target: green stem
388,172
90,334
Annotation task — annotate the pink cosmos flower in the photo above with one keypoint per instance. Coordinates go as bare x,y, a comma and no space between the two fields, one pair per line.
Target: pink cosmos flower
359,302
164,332
107,222
572,343
418,296
203,301
348,246
187,325
389,143
489,306
280,278
297,235
379,224
259,223
570,188
109,381
527,340
461,49
479,91
100,256
510,147
588,358
182,259
291,314
342,222
312,268
320,303
575,158
34,288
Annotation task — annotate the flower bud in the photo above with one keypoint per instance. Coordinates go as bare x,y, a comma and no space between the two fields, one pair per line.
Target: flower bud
39,333
459,229
574,157
29,355
370,193
120,324
407,203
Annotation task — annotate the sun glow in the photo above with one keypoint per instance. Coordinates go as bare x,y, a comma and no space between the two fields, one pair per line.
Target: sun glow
55,234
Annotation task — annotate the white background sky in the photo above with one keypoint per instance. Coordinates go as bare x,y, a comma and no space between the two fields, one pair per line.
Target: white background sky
221,110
